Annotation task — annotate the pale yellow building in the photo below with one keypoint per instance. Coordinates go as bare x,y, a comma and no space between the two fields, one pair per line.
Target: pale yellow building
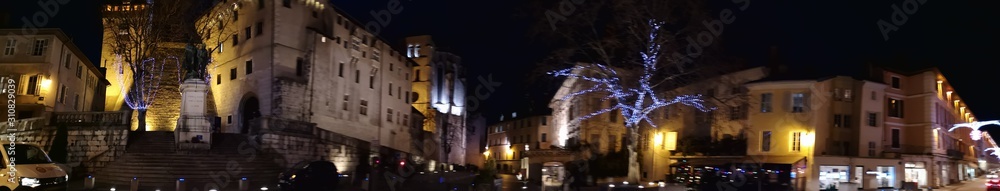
49,74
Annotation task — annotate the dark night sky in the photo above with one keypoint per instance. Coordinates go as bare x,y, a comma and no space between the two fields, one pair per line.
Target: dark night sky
958,36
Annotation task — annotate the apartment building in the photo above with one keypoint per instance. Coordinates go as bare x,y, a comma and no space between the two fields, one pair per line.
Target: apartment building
885,132
512,136
49,73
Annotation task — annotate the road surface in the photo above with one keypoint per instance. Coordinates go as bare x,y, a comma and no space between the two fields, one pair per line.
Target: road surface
978,184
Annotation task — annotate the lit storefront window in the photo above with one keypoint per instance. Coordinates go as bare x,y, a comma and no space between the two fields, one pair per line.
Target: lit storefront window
886,176
831,176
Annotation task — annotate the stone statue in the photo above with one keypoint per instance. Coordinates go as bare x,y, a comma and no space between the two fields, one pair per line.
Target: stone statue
195,61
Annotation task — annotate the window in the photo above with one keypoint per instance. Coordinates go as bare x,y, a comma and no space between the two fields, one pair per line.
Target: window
232,74
545,137
376,55
62,94
846,121
873,95
390,89
872,119
67,61
346,99
796,141
765,141
364,107
247,31
371,81
388,114
895,82
895,138
871,148
249,67
218,79
399,91
837,120
76,102
286,3
545,121
357,76
299,67
229,119
407,100
340,71
847,95
738,112
260,28
895,108
32,87
765,102
236,39
79,71
798,102
236,15
355,43
40,46
10,47
260,4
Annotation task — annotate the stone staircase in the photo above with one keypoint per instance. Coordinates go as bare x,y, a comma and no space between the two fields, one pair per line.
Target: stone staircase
156,164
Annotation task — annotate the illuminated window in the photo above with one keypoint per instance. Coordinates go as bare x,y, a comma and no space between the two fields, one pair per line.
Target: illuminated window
797,141
895,108
798,102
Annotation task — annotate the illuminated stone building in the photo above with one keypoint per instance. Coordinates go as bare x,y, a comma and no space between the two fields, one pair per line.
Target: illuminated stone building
439,93
50,74
305,65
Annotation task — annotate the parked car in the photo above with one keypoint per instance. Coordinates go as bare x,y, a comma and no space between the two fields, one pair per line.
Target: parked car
311,176
33,169
993,185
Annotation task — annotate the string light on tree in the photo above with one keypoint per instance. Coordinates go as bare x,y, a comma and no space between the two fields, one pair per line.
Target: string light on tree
634,99
975,125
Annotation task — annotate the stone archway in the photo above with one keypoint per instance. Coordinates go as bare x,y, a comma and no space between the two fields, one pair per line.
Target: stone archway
249,110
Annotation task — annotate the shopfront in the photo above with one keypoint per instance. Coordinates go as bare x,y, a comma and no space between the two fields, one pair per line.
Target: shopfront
830,177
916,172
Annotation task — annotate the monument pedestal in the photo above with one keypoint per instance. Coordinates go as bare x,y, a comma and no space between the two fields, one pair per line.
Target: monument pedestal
193,127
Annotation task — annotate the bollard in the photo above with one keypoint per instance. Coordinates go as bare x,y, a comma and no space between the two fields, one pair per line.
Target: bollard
89,182
244,184
181,185
135,184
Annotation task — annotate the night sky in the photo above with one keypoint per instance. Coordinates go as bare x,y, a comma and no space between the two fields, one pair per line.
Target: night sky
958,36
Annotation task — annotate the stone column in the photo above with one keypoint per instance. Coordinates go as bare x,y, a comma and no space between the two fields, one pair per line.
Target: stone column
193,126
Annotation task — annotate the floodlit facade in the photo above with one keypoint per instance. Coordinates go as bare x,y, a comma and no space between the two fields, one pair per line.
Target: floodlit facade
889,132
438,86
49,74
303,63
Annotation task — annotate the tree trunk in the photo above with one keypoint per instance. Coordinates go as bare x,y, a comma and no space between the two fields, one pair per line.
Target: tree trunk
633,156
141,120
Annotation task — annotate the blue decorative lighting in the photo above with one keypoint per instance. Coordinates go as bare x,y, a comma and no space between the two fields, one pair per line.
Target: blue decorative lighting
644,99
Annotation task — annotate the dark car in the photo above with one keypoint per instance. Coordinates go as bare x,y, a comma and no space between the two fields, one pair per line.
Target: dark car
312,176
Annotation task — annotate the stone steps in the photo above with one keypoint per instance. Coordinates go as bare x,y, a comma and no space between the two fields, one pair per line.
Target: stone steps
154,161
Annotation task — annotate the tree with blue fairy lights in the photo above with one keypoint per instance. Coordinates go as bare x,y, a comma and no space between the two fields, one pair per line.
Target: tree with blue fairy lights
634,93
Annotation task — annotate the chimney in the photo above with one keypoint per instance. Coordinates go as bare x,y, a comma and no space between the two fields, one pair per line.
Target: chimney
775,62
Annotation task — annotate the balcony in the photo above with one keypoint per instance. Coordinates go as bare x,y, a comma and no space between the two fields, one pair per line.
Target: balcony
908,149
955,154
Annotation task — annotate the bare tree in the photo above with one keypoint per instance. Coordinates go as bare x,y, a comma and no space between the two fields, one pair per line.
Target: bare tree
138,31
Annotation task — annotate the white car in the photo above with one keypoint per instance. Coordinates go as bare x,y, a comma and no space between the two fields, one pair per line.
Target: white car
32,169
991,176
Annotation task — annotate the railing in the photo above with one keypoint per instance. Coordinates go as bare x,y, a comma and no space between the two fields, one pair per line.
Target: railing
955,154
24,124
908,149
115,118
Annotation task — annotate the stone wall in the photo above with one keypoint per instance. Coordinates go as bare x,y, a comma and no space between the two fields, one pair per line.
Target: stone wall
292,148
88,148
290,98
162,115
